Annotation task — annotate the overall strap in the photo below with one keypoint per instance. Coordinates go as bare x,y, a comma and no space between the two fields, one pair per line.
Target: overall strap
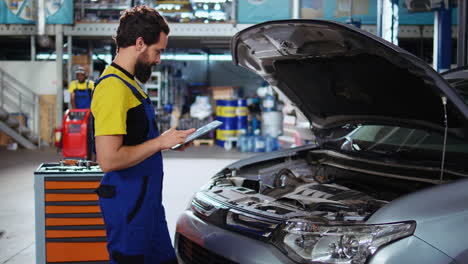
129,85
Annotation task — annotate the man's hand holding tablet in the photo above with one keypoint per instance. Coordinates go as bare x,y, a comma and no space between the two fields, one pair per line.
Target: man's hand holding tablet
199,132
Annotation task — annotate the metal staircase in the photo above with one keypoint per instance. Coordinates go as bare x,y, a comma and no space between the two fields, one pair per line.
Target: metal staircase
17,100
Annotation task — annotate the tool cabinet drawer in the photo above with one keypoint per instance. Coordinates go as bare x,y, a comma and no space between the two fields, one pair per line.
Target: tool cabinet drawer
69,224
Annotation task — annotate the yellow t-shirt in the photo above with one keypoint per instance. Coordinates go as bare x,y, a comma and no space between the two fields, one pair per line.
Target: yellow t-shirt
87,84
116,109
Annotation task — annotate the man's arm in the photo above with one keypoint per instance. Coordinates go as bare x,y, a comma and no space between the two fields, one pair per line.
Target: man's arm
112,155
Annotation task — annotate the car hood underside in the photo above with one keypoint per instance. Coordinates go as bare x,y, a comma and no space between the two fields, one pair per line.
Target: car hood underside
337,74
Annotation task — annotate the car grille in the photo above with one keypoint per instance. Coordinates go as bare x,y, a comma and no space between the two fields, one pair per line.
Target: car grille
192,253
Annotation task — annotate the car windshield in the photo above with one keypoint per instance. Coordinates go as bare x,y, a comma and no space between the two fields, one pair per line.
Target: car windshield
461,86
408,143
458,79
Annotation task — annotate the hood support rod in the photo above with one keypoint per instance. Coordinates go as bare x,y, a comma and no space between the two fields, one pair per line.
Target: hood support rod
444,102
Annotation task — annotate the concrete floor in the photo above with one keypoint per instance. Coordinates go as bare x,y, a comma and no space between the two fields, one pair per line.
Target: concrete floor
185,173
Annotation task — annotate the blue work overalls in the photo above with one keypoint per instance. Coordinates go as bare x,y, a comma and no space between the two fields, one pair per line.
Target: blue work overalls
83,97
131,205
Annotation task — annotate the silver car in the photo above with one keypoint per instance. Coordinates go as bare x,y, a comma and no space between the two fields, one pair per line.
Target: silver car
385,181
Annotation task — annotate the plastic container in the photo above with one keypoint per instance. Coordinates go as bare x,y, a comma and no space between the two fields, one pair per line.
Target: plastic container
241,115
269,103
272,123
259,142
201,108
242,141
254,124
271,143
249,143
228,145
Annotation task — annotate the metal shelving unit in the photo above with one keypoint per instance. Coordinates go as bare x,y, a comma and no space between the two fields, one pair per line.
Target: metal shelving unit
177,29
179,11
99,11
188,30
153,89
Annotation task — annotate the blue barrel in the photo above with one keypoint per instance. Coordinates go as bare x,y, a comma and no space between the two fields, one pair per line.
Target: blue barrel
226,113
241,115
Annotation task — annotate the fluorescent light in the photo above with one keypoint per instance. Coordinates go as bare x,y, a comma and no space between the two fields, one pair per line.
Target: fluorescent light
184,57
196,57
178,57
221,57
202,14
105,57
45,56
209,1
168,7
186,15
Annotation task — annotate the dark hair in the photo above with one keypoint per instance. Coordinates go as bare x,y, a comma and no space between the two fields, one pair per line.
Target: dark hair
140,21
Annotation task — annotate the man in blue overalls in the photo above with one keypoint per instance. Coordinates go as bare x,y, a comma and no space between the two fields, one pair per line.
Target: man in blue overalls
128,144
80,90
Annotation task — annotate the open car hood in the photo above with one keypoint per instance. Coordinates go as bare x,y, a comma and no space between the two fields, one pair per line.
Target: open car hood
337,74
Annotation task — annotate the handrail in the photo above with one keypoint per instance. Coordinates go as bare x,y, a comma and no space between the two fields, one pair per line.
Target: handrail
8,92
32,92
16,81
25,100
22,105
9,87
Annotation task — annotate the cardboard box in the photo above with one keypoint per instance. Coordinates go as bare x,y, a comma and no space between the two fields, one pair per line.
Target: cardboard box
5,139
223,92
83,61
47,117
80,59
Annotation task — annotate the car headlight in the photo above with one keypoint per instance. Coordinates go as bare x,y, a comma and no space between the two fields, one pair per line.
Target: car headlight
307,241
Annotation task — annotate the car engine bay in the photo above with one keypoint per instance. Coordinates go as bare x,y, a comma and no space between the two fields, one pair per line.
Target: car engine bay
307,185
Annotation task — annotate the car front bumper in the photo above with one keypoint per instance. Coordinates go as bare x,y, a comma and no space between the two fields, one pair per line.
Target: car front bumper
197,240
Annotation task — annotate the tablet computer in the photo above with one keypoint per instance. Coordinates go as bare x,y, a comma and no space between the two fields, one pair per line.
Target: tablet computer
200,132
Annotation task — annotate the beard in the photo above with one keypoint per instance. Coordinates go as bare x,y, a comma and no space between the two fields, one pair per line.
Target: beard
143,68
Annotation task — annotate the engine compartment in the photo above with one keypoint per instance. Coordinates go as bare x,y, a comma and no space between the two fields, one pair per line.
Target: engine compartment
308,186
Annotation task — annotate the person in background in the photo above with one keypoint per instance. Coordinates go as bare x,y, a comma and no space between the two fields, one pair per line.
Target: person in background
80,90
